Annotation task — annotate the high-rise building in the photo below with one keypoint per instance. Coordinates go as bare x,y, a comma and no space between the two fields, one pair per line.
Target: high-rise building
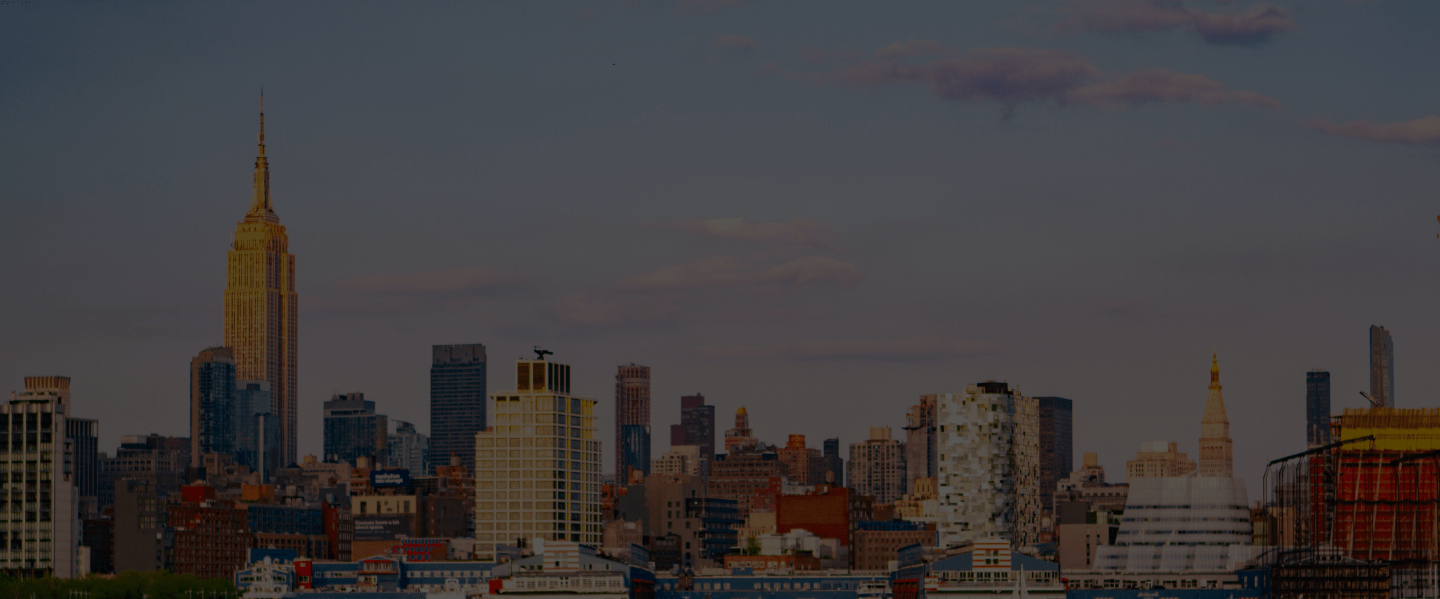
409,448
258,442
83,433
877,466
1317,408
834,464
920,442
1382,367
457,402
1158,459
681,459
632,421
742,476
803,466
213,413
538,465
741,438
42,526
261,305
1057,448
989,465
1216,449
353,429
161,460
697,427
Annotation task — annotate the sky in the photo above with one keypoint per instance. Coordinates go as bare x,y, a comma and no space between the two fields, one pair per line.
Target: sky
816,210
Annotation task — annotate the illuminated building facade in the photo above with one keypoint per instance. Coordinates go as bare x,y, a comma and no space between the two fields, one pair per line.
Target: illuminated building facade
989,465
261,305
537,467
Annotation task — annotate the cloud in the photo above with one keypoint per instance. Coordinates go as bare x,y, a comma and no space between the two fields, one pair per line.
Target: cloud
738,43
591,309
686,8
1422,131
924,347
733,272
453,280
1159,85
1250,26
1006,75
795,232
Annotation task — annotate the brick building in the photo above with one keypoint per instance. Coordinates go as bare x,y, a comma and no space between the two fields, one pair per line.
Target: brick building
875,543
737,476
211,537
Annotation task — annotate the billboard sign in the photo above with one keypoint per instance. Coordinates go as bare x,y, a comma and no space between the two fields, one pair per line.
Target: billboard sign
389,478
382,528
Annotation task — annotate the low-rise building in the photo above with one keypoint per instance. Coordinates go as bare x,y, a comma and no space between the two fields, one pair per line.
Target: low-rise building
875,543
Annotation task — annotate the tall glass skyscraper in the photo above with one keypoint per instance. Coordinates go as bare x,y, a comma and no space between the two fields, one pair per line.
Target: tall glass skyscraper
212,403
258,442
1317,408
457,402
353,430
1382,367
1057,445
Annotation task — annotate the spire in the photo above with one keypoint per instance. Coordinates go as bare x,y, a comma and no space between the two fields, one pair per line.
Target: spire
260,206
1216,453
1215,371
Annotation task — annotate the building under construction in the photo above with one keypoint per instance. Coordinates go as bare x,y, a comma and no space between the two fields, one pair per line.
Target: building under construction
1357,517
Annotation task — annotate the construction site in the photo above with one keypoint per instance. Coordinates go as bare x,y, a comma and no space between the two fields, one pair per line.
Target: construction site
1357,518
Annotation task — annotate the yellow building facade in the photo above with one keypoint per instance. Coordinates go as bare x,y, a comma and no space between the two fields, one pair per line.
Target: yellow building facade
261,304
537,467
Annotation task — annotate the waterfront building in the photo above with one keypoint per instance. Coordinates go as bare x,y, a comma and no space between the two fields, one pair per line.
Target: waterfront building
632,421
41,533
1317,408
409,448
353,429
697,427
990,568
877,466
989,465
1382,367
1158,458
538,465
876,543
458,402
1057,449
261,306
920,442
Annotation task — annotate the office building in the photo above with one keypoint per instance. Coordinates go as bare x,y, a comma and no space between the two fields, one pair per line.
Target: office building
211,536
1216,448
876,543
353,429
697,427
213,413
802,465
920,442
877,466
41,531
741,439
681,459
743,476
989,465
261,307
83,433
1057,456
538,465
1158,458
1317,408
1382,368
701,529
458,402
632,421
161,460
409,448
258,441
834,464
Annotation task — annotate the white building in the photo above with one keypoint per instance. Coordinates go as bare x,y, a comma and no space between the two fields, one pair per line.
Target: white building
681,459
41,533
988,447
537,468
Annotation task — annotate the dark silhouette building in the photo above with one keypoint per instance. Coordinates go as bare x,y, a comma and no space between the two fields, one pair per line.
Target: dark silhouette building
697,427
1057,446
1317,408
457,402
1382,367
354,430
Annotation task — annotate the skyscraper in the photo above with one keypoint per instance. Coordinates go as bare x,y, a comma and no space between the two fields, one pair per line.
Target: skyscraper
1216,452
258,444
632,421
213,413
741,439
1057,447
1317,408
538,467
697,427
43,528
877,466
1382,367
354,430
920,441
834,464
989,465
260,302
457,402
83,433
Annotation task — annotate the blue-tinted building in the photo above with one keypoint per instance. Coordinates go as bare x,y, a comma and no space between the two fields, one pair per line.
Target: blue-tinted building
1317,408
258,440
457,402
354,430
285,519
635,446
212,403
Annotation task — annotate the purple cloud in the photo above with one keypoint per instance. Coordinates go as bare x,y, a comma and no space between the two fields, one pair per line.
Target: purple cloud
1151,86
924,347
1253,25
1421,131
733,272
1006,75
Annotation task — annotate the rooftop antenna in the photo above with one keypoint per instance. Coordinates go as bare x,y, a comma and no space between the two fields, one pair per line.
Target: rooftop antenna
540,353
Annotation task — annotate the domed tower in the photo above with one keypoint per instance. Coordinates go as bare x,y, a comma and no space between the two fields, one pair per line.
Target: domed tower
1216,449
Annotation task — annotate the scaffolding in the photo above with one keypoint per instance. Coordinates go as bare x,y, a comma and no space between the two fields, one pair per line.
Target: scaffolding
1353,520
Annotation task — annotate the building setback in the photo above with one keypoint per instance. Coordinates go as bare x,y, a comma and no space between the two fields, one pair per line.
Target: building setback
632,421
261,306
538,466
457,402
1317,408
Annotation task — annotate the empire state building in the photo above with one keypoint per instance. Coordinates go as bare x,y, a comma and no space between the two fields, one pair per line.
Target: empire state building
260,303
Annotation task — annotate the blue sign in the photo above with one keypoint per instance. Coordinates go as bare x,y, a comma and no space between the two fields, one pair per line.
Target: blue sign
389,478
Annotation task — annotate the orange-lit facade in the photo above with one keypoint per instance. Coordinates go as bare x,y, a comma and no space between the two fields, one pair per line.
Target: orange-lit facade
261,304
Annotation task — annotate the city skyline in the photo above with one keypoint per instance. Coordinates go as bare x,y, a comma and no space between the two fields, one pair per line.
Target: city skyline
1104,285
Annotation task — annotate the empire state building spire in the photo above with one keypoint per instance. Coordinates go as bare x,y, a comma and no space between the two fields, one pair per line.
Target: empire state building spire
260,207
1216,449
